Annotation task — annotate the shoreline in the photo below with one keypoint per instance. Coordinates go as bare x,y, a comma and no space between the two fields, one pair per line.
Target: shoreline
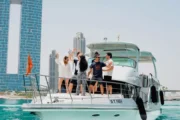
13,97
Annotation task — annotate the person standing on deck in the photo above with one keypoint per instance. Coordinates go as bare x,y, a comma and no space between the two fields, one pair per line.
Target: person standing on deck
83,65
108,70
96,67
95,86
65,71
75,71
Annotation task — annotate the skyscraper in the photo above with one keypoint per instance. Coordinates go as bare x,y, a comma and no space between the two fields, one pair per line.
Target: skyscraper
30,41
79,42
53,72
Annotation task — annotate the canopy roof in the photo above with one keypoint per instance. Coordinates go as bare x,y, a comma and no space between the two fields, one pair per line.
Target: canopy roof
106,46
120,49
146,57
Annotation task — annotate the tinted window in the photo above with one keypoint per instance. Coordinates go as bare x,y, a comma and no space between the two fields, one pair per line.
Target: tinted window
90,61
124,62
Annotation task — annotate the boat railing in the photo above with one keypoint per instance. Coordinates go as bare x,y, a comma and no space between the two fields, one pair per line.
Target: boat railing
149,80
40,90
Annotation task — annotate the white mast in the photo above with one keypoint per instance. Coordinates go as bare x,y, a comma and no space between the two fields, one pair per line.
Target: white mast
105,39
118,37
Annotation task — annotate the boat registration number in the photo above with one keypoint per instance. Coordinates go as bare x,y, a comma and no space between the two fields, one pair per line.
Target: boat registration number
116,101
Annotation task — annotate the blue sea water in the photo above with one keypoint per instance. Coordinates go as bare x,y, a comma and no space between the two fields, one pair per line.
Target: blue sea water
11,110
170,111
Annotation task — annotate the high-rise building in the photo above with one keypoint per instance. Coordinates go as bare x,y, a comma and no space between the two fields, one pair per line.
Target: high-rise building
80,42
53,72
29,41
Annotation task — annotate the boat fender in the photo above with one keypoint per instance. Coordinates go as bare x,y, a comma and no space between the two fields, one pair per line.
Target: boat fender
96,115
161,97
116,115
154,94
141,108
32,113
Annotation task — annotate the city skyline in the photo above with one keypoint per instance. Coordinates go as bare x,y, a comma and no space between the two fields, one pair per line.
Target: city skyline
152,25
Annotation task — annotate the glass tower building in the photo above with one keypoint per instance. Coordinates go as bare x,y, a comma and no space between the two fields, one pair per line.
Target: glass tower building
29,41
80,42
53,72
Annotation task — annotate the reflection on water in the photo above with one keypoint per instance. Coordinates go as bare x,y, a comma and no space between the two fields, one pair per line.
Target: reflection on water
11,110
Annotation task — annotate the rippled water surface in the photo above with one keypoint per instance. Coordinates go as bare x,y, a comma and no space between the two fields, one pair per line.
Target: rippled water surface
11,110
170,111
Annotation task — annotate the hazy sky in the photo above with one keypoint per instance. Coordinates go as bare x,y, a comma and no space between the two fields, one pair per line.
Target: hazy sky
153,25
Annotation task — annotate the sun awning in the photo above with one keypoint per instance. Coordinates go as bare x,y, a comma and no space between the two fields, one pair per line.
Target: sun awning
113,46
146,57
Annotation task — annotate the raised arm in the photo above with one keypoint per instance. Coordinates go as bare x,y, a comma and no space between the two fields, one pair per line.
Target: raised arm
79,51
71,54
57,59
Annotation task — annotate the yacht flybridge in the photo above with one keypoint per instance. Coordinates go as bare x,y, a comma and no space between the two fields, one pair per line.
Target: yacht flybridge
135,96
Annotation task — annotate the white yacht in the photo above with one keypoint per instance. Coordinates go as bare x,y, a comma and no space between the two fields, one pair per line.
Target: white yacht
135,96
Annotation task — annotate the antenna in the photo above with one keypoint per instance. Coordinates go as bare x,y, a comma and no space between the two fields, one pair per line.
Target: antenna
105,39
118,37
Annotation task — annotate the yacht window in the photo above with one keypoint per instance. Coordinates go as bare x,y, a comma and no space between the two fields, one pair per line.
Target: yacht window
90,61
123,62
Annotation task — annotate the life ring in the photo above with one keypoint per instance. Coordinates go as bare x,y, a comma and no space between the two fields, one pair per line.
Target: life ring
154,96
141,108
161,97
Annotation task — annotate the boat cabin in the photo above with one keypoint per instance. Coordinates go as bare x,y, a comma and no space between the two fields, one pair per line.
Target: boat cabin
125,57
151,78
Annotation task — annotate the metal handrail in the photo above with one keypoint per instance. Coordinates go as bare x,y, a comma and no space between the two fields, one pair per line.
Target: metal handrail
124,88
49,89
69,94
89,92
92,80
38,88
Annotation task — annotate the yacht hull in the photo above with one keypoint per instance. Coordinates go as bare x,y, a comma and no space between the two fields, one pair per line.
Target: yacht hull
91,109
93,114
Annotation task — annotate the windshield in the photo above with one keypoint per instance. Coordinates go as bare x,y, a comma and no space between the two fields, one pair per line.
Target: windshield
119,61
90,61
123,62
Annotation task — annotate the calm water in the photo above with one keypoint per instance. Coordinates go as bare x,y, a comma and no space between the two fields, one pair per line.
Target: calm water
11,110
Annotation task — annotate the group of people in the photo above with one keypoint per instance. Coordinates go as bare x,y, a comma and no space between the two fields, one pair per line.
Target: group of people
74,71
